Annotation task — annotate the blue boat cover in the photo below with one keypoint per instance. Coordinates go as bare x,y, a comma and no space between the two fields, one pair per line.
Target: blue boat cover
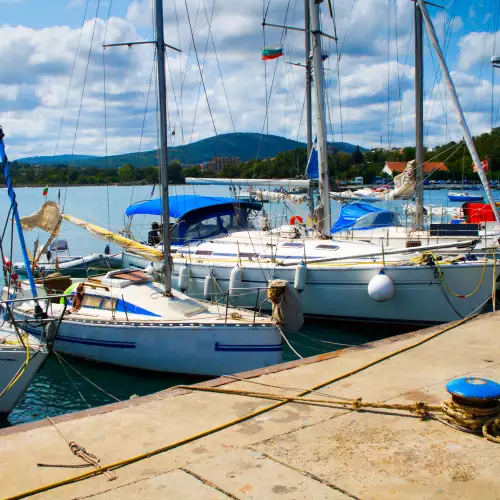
312,170
181,205
361,216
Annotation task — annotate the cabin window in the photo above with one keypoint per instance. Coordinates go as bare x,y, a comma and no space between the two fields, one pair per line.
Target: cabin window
292,245
248,255
327,247
91,301
203,229
203,252
108,304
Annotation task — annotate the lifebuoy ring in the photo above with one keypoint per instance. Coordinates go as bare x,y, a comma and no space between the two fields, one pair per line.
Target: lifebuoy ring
296,218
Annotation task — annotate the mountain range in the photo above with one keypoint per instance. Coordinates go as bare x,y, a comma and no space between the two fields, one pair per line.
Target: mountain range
243,145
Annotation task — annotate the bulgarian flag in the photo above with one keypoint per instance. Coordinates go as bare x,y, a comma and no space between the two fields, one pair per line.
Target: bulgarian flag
45,191
272,53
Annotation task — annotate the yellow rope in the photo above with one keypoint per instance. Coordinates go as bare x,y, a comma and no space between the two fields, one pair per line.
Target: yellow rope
424,259
190,439
20,373
476,420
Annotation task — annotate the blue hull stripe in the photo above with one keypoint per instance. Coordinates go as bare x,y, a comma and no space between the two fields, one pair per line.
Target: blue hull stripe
248,348
94,342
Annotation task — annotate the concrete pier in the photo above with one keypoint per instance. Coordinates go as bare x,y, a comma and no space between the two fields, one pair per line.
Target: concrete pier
294,451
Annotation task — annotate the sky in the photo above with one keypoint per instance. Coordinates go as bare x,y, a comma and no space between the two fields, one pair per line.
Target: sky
62,93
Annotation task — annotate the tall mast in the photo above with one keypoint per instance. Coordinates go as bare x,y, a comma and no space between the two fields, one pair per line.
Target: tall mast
307,22
431,32
307,33
419,119
324,188
162,94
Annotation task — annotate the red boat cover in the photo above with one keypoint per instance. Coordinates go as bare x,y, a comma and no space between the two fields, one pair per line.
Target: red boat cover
475,213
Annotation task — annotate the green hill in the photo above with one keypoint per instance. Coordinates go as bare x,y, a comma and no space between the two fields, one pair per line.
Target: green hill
244,145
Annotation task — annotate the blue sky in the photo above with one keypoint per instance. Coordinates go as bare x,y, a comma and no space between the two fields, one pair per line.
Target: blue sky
38,41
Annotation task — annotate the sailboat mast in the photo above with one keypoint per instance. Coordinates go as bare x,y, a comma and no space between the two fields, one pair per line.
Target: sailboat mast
419,119
162,94
431,32
324,188
307,46
307,22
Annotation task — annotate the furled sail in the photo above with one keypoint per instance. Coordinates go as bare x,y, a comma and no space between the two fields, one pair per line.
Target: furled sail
312,170
138,248
286,183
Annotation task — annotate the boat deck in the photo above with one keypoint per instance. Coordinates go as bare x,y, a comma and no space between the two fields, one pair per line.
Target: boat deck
290,451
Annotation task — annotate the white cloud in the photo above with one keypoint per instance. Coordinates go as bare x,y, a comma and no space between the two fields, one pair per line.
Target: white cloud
37,66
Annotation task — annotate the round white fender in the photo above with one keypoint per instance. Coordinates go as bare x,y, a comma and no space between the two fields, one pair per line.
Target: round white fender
183,280
149,269
235,280
381,287
300,277
208,287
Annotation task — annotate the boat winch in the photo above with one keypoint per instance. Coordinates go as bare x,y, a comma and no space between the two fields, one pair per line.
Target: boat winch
381,287
235,280
300,277
183,279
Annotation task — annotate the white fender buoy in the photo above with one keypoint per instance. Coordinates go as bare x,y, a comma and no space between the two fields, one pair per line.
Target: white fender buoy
208,287
149,269
381,287
300,277
235,280
183,280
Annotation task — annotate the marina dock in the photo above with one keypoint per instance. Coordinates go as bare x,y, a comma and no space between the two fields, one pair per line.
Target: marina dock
199,444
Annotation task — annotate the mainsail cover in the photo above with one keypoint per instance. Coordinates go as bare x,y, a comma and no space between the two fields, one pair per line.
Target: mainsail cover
47,218
126,243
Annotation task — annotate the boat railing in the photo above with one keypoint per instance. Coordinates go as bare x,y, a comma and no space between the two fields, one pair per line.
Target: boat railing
232,293
41,325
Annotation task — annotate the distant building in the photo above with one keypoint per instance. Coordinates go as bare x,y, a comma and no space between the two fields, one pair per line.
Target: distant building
396,167
217,163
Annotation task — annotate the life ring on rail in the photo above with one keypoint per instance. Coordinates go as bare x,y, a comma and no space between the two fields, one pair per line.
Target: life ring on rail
296,218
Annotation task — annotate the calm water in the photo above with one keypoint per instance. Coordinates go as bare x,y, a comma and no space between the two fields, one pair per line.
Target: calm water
57,390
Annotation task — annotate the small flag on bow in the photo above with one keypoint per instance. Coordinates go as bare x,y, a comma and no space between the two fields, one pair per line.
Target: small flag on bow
272,53
45,191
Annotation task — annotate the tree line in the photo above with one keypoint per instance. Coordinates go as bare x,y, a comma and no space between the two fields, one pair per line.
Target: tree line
288,164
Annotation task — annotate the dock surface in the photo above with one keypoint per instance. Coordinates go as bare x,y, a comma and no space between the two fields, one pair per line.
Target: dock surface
294,451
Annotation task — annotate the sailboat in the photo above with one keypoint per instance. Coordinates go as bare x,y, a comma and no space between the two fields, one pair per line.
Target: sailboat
336,278
21,355
486,234
134,318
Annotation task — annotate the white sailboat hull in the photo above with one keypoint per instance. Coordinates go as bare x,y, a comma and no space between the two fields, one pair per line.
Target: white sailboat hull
12,359
190,348
341,292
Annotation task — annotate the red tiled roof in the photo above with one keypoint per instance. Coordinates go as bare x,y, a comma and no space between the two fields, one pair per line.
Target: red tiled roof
430,166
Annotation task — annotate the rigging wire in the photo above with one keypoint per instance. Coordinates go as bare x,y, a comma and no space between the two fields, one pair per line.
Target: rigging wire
71,78
268,96
81,97
218,64
199,68
106,113
204,62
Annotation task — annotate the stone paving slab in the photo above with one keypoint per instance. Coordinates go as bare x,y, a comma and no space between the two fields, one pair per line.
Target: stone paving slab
249,474
172,485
